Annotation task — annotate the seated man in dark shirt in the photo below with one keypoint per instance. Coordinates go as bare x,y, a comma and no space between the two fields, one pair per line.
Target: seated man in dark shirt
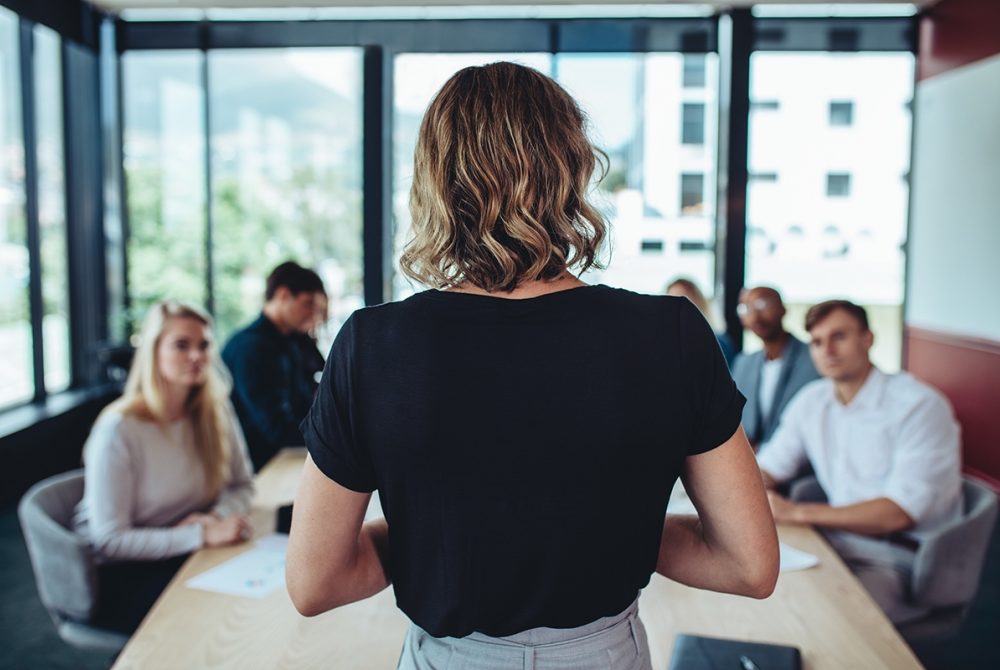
270,392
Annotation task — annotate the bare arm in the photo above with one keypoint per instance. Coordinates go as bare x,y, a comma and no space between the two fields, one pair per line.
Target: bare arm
732,545
333,557
879,516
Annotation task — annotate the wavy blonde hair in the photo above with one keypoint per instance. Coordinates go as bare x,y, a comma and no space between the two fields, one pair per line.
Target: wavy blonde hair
207,404
501,173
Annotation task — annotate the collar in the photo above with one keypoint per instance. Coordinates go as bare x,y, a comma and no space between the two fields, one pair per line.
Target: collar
266,325
870,394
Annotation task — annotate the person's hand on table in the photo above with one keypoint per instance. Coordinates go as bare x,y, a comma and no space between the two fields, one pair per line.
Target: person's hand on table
782,509
195,517
230,530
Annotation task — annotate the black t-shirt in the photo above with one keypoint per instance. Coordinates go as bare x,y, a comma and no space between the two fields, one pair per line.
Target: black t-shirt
523,450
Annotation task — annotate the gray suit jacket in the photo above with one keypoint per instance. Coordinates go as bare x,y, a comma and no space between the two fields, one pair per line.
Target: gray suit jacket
797,370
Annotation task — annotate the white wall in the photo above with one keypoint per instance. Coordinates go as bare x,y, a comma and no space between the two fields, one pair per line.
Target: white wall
954,256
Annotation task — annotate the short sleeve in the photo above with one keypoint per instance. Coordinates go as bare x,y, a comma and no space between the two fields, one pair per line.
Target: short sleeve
926,466
716,404
329,428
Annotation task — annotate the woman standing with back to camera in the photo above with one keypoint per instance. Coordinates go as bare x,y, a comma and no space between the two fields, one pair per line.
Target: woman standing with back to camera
524,430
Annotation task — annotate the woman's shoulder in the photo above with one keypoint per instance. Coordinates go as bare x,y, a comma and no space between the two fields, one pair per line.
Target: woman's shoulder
118,423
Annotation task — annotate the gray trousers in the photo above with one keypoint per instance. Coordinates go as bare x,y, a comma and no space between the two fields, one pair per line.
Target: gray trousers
885,570
610,643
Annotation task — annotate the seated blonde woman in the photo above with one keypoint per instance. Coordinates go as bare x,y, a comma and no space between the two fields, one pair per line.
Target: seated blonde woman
523,429
166,466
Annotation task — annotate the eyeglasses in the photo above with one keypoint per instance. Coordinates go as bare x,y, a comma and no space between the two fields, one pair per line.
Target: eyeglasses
758,305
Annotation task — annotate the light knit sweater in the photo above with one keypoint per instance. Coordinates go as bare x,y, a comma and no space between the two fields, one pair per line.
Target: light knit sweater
142,477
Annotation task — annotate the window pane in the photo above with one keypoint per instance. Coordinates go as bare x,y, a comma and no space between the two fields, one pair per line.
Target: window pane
694,70
52,208
693,128
417,78
841,113
834,224
286,175
165,177
838,185
692,194
15,324
635,103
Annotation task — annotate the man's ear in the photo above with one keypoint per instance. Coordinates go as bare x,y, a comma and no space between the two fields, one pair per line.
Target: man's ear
869,338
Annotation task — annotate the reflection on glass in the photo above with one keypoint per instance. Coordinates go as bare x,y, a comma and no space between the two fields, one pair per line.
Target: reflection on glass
165,178
286,175
15,323
52,208
835,135
635,104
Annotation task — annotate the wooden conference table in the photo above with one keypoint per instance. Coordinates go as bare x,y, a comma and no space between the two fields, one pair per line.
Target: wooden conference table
823,610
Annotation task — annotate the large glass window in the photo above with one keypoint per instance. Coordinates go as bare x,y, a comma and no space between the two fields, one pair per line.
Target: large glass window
15,323
286,175
634,103
164,147
52,208
834,224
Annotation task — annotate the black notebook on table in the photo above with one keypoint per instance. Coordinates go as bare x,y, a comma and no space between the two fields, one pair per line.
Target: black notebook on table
693,652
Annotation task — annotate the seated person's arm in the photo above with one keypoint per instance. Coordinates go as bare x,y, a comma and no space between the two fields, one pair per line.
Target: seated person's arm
109,489
266,397
870,517
731,546
781,457
333,557
925,459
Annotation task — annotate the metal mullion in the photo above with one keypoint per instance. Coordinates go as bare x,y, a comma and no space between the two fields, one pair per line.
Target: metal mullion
376,170
207,129
734,117
36,305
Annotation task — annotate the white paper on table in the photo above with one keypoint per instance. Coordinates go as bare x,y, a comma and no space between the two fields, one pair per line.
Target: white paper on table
795,559
253,574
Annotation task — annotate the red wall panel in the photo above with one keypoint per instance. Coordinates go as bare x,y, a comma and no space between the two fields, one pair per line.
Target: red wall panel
967,370
954,33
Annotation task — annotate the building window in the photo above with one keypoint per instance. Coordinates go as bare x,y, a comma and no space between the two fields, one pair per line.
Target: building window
764,177
652,246
763,105
694,71
693,123
841,113
692,193
838,184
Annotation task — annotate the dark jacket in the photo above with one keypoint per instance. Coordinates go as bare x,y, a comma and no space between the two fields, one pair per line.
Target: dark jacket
270,392
797,370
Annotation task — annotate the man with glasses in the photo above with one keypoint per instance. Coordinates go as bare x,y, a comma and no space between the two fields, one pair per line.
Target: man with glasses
769,378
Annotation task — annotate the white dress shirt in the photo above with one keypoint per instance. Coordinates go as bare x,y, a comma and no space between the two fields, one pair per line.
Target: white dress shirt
770,373
896,439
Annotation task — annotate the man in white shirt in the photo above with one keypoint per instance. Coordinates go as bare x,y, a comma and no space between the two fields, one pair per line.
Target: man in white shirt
885,449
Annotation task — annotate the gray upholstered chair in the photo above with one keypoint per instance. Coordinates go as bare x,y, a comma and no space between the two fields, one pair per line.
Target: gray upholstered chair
949,561
62,561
